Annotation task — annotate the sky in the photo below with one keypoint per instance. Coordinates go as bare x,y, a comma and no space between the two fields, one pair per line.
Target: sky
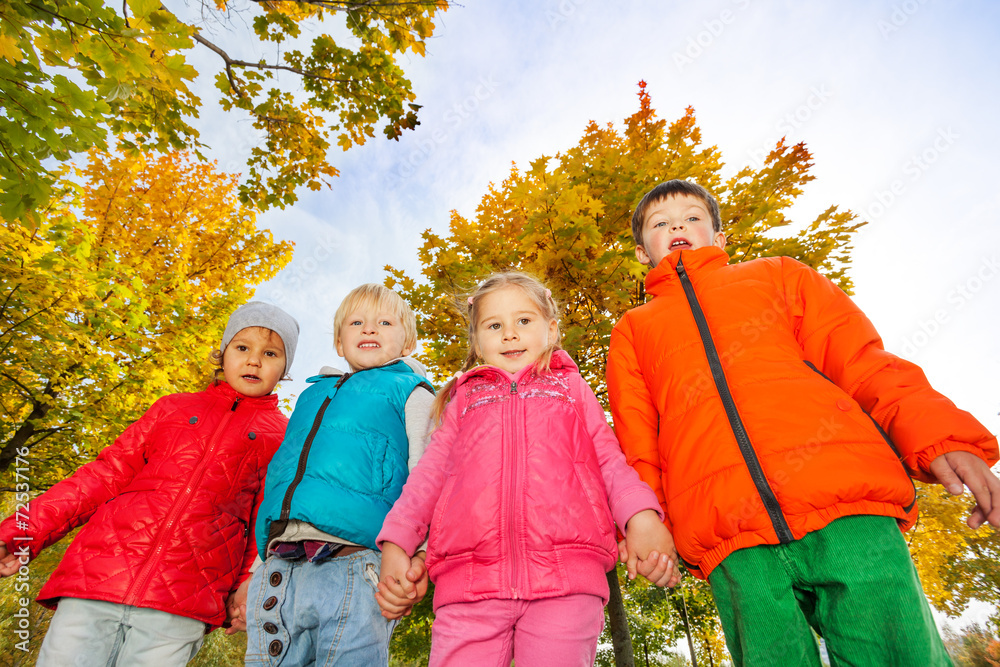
895,99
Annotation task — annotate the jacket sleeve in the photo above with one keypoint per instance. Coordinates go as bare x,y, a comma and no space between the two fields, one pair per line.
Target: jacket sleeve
627,495
71,502
417,418
842,343
635,416
408,522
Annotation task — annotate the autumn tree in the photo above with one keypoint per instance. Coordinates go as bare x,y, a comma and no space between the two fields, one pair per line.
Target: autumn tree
955,564
74,72
117,297
566,219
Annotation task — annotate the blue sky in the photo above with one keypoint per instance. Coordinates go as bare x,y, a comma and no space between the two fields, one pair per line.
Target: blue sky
897,101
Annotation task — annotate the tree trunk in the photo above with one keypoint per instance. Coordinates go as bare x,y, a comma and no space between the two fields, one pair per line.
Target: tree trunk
687,630
618,624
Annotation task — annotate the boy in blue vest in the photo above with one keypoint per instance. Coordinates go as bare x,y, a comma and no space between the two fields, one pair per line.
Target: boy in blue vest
350,443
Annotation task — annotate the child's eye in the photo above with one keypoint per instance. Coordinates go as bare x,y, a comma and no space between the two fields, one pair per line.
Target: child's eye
494,326
242,348
524,320
694,218
270,353
385,323
356,323
661,223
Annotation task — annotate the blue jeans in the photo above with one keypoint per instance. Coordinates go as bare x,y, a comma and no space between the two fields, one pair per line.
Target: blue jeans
94,633
323,613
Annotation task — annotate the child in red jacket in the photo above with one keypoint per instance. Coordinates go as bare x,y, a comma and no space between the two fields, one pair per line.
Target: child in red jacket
780,437
169,510
520,487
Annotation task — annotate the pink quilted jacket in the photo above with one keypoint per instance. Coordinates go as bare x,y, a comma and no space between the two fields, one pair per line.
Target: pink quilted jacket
168,507
519,487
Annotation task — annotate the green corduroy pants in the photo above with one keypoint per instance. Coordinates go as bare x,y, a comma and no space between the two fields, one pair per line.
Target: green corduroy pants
853,582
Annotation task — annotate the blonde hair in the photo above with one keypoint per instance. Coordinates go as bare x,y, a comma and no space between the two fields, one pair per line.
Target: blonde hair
377,297
536,291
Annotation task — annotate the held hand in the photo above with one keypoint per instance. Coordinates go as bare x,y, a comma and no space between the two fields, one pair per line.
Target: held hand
396,591
236,609
955,469
659,569
646,541
418,575
9,563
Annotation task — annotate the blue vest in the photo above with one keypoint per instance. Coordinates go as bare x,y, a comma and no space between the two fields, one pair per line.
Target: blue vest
343,461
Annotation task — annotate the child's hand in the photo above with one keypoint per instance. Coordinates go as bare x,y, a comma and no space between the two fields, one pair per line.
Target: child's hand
647,540
955,469
403,583
9,563
236,609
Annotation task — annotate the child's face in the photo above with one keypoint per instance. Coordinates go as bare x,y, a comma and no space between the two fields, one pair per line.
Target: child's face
512,332
370,337
677,222
254,361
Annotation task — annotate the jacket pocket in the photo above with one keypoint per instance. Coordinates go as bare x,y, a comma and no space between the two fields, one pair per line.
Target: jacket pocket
438,519
881,432
596,495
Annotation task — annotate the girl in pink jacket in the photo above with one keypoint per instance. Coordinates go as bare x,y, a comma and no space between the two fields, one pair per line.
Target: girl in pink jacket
520,487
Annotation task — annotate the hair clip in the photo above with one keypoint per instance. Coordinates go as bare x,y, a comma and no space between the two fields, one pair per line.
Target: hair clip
548,294
470,300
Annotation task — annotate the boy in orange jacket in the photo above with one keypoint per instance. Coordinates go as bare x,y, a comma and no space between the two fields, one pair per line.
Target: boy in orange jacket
780,437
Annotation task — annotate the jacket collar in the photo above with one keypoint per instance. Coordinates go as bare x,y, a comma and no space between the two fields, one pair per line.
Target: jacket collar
407,362
659,279
560,361
222,391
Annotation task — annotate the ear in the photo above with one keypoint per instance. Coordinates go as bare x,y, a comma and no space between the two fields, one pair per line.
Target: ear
719,240
640,254
553,331
405,352
339,345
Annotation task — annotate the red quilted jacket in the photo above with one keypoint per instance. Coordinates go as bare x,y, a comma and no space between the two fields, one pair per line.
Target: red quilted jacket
169,507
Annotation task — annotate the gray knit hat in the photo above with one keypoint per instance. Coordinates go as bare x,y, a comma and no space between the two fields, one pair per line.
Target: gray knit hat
260,314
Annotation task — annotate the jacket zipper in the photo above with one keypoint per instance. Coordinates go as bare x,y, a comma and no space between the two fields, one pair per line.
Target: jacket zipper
771,505
131,595
300,470
512,490
881,432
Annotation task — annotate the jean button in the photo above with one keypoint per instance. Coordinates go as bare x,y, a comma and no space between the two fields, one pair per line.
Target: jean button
275,579
274,648
270,628
269,603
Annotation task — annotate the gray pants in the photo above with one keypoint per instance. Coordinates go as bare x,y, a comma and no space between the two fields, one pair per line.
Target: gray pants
92,633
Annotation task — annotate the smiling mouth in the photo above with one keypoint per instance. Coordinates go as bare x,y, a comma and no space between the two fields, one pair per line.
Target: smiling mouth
251,378
513,353
680,243
369,346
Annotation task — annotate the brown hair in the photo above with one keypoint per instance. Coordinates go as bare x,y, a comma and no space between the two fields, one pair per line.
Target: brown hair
536,291
669,189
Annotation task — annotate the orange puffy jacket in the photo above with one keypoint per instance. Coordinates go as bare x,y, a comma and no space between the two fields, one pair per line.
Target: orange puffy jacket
757,400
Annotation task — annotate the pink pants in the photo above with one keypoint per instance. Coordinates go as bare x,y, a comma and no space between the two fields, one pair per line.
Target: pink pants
554,632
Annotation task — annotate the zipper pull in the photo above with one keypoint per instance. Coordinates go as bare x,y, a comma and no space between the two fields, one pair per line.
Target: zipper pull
513,387
235,403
